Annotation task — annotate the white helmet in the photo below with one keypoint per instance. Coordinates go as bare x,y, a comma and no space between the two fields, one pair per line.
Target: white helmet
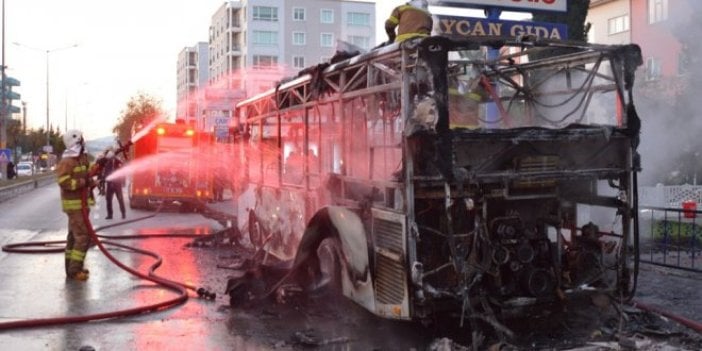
421,4
72,137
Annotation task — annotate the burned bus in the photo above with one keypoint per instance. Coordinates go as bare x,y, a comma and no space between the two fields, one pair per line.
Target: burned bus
424,177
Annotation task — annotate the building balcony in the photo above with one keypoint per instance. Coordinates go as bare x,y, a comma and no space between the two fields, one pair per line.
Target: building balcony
234,50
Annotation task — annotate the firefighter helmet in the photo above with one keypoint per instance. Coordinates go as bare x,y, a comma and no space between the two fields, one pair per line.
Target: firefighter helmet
421,4
72,137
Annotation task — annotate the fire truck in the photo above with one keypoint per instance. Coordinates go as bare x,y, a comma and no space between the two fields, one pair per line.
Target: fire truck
169,169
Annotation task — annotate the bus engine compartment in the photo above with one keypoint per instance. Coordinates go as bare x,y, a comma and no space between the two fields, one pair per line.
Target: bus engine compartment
524,228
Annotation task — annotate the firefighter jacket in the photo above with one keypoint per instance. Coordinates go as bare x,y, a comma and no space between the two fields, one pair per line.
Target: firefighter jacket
72,173
412,22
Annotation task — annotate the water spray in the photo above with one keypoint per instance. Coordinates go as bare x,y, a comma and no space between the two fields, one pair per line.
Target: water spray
124,148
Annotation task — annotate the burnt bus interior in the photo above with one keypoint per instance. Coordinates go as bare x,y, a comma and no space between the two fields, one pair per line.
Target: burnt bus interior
524,186
489,174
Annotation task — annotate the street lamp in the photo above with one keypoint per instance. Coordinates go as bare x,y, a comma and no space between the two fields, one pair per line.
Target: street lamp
47,52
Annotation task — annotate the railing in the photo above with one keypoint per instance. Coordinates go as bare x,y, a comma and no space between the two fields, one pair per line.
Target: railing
671,226
671,237
669,195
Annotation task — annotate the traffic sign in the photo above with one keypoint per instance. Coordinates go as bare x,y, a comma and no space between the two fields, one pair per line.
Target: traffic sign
5,155
221,121
12,82
12,109
9,95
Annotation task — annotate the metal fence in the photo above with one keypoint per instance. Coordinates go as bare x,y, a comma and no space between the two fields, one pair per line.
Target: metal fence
671,226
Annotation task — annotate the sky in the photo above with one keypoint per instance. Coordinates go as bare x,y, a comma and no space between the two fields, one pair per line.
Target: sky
102,53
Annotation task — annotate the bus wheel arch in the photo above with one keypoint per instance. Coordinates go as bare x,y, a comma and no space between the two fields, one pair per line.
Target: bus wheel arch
334,246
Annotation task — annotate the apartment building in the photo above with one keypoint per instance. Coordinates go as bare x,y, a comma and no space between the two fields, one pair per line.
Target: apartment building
611,21
191,73
253,44
652,24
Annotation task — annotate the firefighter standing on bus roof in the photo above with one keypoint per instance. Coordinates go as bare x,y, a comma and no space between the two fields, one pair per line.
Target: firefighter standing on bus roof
412,20
75,183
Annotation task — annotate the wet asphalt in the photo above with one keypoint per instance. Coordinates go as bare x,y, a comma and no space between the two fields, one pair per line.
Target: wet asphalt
34,287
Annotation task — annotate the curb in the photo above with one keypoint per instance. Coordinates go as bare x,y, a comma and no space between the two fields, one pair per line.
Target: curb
14,190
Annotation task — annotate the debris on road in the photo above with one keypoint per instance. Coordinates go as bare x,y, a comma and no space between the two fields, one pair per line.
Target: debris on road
309,338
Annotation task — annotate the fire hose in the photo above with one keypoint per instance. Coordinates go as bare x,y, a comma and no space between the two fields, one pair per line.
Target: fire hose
180,288
694,325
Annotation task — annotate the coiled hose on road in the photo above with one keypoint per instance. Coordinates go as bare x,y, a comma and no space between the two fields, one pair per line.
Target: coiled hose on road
180,288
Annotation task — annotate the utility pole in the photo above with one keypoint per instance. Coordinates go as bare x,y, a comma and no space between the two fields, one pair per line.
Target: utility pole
3,104
24,118
47,52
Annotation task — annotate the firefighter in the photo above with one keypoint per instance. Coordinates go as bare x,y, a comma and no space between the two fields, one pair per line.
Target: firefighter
412,20
75,183
113,187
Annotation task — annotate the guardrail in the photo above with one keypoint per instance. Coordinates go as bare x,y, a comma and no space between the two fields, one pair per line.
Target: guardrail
12,190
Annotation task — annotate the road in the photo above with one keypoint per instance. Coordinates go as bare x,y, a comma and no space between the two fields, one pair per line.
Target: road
34,286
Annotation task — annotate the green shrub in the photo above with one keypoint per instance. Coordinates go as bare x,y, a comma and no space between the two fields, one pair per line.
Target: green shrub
677,232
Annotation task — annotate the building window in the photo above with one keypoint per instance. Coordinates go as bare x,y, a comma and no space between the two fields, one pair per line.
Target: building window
264,61
299,38
265,38
657,10
618,24
360,41
299,61
326,40
653,68
298,14
326,16
265,13
358,19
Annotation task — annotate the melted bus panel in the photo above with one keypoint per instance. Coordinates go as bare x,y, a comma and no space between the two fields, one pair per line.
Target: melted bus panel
429,179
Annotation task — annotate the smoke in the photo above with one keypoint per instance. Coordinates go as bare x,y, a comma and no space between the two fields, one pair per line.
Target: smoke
667,100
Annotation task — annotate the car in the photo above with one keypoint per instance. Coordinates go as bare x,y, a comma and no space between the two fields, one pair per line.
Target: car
24,169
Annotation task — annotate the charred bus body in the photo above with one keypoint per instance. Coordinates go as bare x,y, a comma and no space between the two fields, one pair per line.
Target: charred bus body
423,178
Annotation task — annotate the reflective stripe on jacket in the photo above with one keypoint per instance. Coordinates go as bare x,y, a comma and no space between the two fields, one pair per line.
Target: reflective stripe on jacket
72,176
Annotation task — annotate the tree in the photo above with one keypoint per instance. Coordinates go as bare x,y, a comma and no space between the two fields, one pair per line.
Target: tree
574,18
141,110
